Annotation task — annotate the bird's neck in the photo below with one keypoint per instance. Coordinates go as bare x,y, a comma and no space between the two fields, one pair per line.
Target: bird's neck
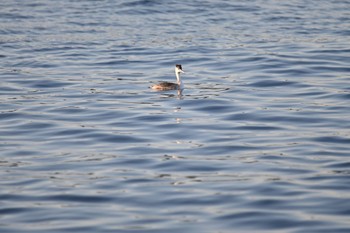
179,81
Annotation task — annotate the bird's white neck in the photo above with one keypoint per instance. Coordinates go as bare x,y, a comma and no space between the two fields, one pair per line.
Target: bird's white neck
179,81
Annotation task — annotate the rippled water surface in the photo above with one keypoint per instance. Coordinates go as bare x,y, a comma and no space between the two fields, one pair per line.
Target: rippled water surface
259,141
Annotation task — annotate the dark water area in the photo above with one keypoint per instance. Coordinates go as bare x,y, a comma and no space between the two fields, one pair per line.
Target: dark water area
259,140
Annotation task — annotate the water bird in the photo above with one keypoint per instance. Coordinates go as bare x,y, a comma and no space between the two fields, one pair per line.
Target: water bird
166,86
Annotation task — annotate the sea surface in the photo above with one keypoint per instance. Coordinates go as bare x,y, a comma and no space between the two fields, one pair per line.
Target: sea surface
258,141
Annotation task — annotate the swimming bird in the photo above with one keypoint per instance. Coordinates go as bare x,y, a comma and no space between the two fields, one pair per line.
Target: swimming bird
166,86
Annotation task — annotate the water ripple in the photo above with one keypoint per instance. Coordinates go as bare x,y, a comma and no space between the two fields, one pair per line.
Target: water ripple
257,142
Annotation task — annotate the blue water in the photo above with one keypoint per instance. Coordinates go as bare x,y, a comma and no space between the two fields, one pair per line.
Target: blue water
259,141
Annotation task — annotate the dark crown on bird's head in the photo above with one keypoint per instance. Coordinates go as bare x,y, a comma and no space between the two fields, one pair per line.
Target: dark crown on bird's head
178,66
